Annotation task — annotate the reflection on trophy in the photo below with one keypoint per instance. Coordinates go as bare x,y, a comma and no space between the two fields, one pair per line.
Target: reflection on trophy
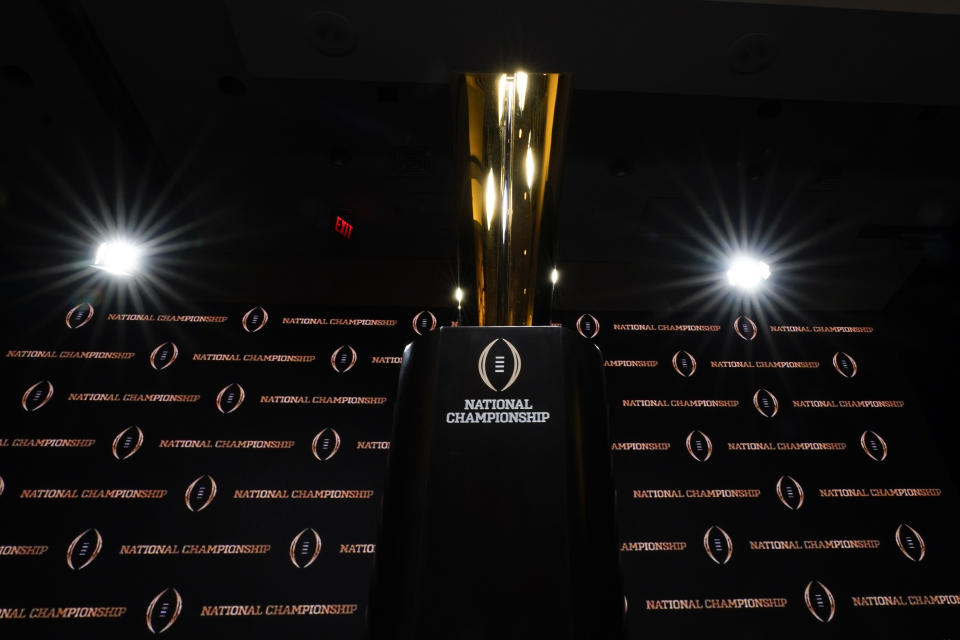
509,142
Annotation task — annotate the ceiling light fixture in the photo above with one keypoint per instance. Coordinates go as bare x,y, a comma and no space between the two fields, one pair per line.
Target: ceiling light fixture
747,273
118,257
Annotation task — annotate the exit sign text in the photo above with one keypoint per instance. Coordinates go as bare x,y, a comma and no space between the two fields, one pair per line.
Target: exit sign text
343,227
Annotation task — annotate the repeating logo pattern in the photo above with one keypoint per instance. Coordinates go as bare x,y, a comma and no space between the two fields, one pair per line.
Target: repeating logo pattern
164,610
844,364
766,403
910,542
873,445
699,445
819,601
164,355
790,492
718,545
499,364
37,395
200,493
84,549
325,444
79,315
499,367
745,328
127,443
230,398
304,548
343,358
588,326
424,322
684,363
254,319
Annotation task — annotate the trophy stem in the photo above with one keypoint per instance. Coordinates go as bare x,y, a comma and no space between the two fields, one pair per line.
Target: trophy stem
506,146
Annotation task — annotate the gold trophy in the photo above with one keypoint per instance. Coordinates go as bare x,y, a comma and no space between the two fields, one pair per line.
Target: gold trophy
498,510
509,143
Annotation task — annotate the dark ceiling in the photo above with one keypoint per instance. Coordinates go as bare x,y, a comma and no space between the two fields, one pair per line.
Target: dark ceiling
231,134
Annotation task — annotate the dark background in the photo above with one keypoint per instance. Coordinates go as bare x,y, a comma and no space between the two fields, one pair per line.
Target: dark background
227,136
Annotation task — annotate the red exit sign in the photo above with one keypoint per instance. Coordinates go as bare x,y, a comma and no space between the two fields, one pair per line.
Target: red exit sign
343,227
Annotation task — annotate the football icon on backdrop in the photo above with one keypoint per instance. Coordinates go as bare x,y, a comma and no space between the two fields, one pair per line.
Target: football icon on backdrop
127,443
819,601
745,328
910,542
499,364
254,320
304,548
200,493
424,322
37,395
230,398
684,363
84,549
790,493
343,358
873,445
164,610
325,444
699,446
164,355
718,545
766,403
844,364
79,315
2,485
587,326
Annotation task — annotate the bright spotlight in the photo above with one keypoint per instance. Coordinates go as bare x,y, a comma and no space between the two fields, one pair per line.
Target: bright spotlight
118,257
747,273
554,276
458,294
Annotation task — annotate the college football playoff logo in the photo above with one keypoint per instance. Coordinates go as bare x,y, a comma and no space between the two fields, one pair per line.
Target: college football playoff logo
84,549
79,315
164,355
164,610
254,320
873,445
127,443
325,444
587,326
766,403
200,493
718,545
745,328
499,364
304,548
343,358
699,446
844,364
684,363
819,600
230,398
37,395
910,542
424,322
790,493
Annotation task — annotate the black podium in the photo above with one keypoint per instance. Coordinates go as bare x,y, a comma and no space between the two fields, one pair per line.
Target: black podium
498,515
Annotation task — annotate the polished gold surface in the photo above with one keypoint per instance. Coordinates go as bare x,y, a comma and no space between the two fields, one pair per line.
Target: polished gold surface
510,120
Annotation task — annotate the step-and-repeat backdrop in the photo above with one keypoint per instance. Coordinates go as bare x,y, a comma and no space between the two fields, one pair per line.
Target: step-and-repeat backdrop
219,474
